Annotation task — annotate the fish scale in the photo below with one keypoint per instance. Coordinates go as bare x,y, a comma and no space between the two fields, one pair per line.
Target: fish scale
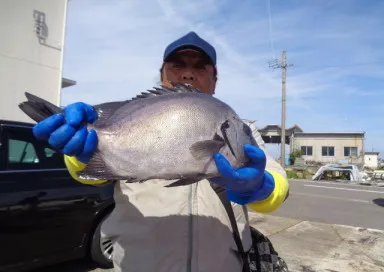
168,133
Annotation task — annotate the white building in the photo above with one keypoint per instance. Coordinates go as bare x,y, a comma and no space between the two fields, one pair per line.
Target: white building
321,147
31,53
330,147
371,159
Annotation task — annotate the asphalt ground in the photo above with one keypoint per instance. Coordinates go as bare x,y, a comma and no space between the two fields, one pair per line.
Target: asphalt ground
335,203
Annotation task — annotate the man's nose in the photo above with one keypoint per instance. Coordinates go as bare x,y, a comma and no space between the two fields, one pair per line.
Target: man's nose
188,76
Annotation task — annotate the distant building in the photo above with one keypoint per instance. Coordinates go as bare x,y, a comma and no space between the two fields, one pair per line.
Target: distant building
330,147
371,160
323,147
271,134
31,53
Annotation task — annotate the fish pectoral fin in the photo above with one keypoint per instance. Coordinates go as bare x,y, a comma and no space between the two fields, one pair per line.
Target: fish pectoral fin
204,149
96,170
183,182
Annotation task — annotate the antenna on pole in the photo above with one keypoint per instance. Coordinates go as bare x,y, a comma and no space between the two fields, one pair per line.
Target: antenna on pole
276,64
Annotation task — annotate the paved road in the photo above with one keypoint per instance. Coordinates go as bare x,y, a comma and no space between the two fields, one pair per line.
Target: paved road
336,203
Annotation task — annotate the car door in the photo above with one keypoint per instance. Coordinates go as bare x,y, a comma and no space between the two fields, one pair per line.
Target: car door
43,211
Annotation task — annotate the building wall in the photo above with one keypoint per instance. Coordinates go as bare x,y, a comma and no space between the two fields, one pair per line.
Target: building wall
338,142
28,63
371,161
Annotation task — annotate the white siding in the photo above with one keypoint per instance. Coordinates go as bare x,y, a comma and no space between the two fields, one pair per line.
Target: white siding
25,63
338,142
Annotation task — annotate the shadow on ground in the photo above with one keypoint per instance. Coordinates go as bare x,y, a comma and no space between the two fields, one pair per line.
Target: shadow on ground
73,266
379,202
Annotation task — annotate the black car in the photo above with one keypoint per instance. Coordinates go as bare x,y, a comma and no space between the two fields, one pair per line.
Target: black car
46,216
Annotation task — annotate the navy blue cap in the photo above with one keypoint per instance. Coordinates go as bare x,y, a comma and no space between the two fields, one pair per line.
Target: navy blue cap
193,41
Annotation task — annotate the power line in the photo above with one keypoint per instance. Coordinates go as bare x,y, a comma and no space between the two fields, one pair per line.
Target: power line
340,65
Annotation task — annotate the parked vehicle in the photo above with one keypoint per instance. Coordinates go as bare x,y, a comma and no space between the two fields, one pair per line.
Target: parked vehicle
46,216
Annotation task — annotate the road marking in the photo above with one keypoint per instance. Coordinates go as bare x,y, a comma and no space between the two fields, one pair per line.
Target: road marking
333,197
347,189
332,183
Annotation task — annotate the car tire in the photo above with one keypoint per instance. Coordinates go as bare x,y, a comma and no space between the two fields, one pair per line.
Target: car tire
99,246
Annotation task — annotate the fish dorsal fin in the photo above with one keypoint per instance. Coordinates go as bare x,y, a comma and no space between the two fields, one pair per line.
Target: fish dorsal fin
184,88
164,90
106,110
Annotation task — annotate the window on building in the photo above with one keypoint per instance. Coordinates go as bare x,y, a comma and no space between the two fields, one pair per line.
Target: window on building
350,151
328,151
306,150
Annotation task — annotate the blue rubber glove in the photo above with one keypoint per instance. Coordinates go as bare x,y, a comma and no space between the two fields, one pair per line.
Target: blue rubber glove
67,132
248,184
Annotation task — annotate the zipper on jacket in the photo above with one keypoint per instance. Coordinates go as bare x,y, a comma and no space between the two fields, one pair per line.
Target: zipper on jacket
190,229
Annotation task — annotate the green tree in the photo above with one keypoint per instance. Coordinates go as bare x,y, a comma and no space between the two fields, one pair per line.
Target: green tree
295,154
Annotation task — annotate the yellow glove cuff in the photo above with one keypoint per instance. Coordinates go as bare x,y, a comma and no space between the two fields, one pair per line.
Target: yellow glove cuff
74,166
277,197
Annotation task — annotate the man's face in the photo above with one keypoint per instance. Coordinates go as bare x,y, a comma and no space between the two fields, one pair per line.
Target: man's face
190,67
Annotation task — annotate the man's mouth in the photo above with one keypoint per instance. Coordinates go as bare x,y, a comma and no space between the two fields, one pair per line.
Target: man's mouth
188,83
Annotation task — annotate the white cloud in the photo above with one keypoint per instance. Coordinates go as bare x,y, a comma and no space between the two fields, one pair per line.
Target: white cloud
114,51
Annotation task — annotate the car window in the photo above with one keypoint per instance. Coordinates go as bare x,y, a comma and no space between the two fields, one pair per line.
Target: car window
25,152
21,152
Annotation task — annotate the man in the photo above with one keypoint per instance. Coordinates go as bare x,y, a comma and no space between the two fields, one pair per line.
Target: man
184,228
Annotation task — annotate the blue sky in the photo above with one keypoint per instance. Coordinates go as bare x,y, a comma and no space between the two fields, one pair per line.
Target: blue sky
113,49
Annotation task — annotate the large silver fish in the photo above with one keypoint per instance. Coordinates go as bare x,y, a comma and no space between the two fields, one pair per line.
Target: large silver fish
165,133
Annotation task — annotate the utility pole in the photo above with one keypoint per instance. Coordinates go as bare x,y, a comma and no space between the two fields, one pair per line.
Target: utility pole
283,106
283,66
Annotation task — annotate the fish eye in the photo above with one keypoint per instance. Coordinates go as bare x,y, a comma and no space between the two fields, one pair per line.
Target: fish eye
225,125
247,130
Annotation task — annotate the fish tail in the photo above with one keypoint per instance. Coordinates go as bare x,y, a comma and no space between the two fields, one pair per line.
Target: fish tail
37,108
